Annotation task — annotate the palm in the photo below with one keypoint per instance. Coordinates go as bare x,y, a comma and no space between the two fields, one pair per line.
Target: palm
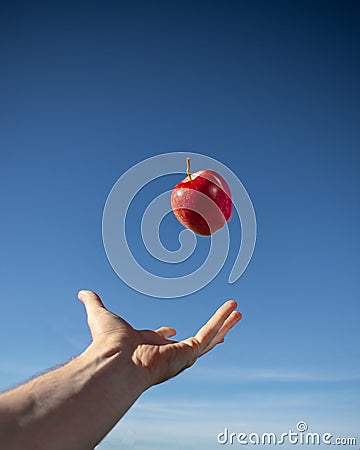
152,351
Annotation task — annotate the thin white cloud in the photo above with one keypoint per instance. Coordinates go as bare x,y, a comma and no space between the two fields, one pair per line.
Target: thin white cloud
173,424
237,375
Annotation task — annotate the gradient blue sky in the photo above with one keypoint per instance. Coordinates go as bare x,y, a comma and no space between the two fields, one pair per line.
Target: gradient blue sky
271,89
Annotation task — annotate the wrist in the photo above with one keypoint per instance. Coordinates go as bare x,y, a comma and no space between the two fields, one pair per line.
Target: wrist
109,361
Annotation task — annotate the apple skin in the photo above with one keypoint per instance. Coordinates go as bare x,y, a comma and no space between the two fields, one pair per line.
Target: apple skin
202,202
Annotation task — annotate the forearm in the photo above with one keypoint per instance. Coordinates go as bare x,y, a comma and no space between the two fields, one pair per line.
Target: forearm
72,407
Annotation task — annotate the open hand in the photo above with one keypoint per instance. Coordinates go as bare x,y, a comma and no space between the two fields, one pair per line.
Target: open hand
152,352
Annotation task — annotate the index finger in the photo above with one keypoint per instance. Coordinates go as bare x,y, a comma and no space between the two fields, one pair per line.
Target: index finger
207,333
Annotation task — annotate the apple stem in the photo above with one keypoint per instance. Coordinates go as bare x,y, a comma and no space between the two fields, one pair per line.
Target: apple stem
188,168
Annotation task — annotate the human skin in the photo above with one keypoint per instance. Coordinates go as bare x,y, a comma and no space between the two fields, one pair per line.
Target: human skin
73,407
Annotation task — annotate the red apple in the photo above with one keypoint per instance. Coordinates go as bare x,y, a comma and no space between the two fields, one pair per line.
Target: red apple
202,201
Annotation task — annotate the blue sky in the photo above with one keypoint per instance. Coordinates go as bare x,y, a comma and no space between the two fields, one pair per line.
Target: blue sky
270,89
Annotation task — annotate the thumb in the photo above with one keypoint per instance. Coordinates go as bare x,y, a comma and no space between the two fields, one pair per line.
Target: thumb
93,306
91,301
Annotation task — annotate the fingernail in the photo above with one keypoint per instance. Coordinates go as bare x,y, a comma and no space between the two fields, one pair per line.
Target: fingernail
81,294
